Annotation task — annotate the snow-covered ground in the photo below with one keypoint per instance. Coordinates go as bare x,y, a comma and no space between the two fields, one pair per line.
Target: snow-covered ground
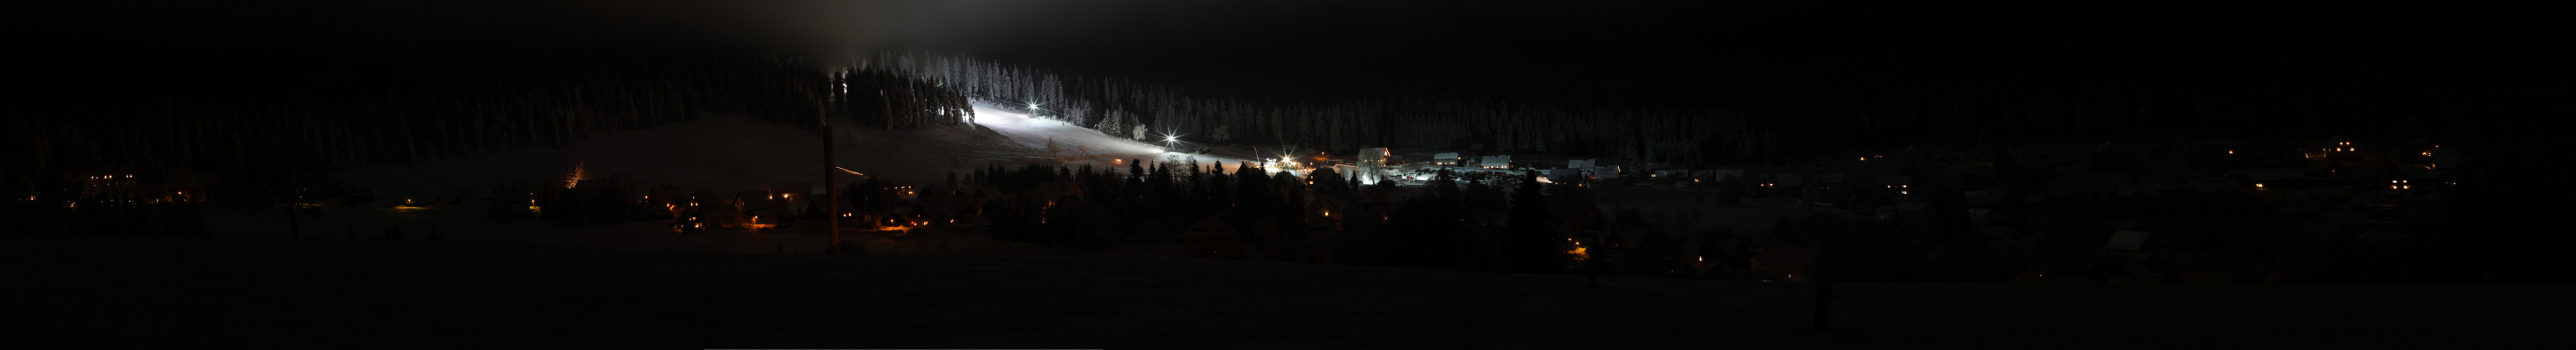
279,293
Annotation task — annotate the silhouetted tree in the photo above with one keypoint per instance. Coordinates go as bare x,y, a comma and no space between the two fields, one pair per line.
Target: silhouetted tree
281,192
1532,244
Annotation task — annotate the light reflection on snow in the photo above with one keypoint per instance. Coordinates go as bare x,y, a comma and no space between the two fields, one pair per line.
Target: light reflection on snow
1036,132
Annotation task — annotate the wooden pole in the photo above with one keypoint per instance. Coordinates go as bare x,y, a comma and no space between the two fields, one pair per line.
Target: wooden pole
831,194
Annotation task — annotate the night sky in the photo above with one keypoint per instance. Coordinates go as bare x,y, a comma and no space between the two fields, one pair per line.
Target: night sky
1663,53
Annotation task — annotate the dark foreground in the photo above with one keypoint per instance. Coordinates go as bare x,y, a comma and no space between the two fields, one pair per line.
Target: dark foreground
372,293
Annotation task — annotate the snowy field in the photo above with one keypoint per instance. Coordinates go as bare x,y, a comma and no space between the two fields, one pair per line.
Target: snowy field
275,293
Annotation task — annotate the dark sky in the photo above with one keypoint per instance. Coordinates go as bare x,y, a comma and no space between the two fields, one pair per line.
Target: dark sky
1613,51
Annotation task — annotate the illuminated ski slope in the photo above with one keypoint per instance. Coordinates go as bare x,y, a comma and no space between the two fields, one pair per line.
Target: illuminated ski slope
726,154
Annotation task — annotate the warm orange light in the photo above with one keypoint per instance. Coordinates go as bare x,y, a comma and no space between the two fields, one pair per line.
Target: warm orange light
2231,152
2258,185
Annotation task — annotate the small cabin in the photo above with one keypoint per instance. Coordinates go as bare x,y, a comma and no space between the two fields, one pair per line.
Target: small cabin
1212,238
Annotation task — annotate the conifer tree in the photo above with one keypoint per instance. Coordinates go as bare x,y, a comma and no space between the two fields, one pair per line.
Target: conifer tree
1135,179
1251,188
1532,245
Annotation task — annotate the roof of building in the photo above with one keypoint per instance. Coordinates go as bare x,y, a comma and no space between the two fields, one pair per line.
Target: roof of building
1210,227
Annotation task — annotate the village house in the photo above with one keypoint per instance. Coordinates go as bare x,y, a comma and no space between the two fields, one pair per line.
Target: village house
1212,238
792,199
704,210
107,180
758,207
1447,159
903,188
1048,193
1320,211
1666,176
1379,157
1564,176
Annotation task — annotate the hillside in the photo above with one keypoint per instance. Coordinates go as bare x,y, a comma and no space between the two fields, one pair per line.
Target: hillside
729,153
331,293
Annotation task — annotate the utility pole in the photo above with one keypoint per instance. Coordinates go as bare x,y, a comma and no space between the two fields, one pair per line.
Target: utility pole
831,191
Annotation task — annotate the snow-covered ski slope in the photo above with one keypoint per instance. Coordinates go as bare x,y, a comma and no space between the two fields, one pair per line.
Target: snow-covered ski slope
729,153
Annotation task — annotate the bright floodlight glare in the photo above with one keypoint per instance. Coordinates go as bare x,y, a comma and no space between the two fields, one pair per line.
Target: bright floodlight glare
1171,138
